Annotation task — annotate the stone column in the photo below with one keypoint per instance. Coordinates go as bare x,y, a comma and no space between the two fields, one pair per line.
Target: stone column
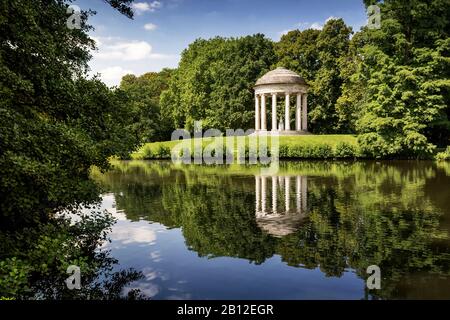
263,113
287,119
257,116
298,191
281,181
298,115
274,194
257,193
304,194
263,194
274,112
287,188
305,112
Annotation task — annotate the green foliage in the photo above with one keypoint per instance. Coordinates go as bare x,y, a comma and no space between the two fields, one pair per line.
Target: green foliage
143,94
163,152
345,150
42,255
14,277
308,146
404,70
316,55
54,123
297,50
214,82
403,100
442,156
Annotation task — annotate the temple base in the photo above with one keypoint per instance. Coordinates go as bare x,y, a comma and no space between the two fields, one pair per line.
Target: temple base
280,133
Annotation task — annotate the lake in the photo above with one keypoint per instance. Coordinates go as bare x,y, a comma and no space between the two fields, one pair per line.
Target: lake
308,231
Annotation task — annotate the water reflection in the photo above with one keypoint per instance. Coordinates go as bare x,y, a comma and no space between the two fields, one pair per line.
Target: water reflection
308,232
282,218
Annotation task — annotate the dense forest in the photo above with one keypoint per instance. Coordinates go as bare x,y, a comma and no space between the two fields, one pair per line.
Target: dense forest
389,85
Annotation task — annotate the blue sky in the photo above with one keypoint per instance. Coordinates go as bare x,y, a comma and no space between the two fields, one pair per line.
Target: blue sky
160,30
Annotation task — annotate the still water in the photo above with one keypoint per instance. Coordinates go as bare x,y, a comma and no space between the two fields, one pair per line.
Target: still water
307,232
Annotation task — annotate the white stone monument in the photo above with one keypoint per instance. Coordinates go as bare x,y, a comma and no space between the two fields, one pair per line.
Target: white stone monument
275,83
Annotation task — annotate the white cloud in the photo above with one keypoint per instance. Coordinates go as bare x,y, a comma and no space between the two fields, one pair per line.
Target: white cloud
131,56
316,26
112,75
126,233
141,7
125,51
150,26
282,33
331,18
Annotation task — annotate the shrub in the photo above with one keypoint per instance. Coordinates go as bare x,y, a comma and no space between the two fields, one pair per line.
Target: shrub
162,152
297,151
284,151
147,152
443,156
321,151
345,150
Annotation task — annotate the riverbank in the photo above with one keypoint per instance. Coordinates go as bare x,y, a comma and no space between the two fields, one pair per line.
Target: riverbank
291,147
332,146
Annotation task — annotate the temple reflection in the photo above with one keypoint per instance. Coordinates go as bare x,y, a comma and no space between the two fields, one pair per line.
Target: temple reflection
288,207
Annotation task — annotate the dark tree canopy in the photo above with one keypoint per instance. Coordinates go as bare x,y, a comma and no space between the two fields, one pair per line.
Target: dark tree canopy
55,124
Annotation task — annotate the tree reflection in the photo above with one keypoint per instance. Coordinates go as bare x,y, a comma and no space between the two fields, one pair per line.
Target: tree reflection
347,216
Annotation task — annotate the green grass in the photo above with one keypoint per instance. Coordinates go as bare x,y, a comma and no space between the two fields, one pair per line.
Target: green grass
307,143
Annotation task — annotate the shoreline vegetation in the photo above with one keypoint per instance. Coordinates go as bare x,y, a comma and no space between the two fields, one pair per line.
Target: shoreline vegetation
333,146
343,168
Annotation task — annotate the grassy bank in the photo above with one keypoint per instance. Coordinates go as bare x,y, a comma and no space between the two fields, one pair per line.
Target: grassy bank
308,146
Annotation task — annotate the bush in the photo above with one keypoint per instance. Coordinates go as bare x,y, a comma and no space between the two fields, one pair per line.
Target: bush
345,150
162,152
298,151
322,151
147,152
284,151
444,156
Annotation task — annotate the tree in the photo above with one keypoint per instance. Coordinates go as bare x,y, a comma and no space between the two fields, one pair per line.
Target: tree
214,82
297,51
405,68
143,95
55,124
333,45
317,56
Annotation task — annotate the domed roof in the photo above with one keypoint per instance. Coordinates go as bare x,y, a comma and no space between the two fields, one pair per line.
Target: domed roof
280,76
